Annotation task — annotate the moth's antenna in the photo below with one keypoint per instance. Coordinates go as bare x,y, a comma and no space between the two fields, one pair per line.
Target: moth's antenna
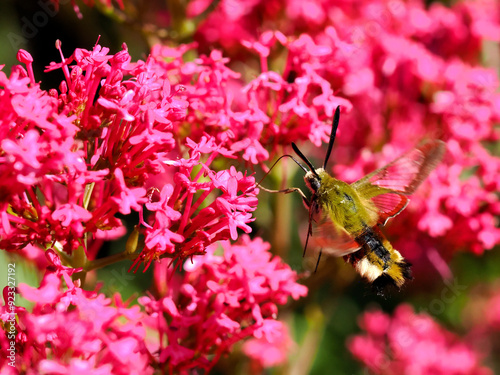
304,159
276,162
335,125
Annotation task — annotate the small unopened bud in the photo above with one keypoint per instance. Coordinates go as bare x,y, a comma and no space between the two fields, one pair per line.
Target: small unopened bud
132,241
24,57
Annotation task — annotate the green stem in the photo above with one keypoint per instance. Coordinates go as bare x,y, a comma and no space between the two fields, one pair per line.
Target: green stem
79,259
65,258
88,193
103,262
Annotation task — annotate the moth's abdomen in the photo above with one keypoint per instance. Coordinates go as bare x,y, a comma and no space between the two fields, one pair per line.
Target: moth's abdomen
379,262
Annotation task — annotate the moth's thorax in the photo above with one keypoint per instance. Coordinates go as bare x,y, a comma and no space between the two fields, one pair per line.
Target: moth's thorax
339,200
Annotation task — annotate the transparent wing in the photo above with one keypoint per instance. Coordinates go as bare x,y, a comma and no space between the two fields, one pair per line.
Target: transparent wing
331,238
388,187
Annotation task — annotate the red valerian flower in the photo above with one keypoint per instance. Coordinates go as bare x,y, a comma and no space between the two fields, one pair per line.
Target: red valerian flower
255,118
70,329
181,235
89,172
412,343
407,71
272,349
220,300
73,159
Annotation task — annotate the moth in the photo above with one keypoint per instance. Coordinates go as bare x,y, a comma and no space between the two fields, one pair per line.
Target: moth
346,218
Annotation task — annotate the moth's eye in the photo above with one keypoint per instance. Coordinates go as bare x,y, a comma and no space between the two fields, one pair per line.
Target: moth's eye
315,184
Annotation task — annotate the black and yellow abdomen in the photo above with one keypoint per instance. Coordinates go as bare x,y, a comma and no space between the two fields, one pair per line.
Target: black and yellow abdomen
378,261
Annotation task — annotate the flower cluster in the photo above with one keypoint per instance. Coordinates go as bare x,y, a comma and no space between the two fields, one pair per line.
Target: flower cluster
75,159
220,300
409,73
70,330
402,73
195,228
90,151
256,118
412,343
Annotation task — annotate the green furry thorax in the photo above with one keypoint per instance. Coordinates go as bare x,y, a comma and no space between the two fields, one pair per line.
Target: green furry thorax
343,204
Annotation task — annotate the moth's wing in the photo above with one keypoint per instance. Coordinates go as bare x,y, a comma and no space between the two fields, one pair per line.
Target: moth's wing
405,174
389,205
384,203
332,238
388,187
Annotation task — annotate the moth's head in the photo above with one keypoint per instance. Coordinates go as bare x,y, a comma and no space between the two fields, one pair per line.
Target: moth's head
313,179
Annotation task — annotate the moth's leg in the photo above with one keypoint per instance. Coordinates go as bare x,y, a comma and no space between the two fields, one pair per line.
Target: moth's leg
307,203
317,262
312,208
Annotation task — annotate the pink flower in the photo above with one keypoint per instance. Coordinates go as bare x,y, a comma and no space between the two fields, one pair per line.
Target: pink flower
270,351
198,228
115,147
408,73
220,300
125,135
409,342
71,329
255,118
